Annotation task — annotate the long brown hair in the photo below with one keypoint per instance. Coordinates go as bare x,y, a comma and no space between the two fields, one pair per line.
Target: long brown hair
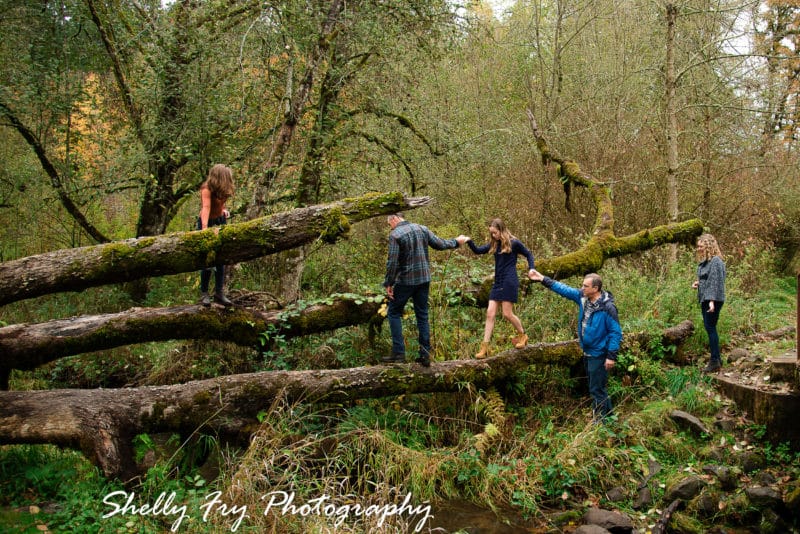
220,182
709,248
505,237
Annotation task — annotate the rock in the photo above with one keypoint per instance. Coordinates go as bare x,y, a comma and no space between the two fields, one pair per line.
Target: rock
644,499
713,453
738,354
793,501
771,523
764,478
752,461
616,494
689,422
706,504
727,479
725,424
685,489
761,497
614,522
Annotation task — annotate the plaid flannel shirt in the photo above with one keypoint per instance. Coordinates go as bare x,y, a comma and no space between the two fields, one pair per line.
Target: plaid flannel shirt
408,261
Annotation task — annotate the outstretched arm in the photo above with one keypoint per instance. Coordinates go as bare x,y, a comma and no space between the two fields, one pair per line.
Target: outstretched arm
562,289
436,242
482,249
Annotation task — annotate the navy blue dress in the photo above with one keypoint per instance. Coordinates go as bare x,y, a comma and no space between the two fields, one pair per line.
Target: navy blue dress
506,280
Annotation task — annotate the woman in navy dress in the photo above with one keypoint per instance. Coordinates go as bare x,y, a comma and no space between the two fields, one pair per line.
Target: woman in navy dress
505,290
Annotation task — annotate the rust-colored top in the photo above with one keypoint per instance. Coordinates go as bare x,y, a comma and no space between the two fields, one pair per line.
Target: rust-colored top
211,207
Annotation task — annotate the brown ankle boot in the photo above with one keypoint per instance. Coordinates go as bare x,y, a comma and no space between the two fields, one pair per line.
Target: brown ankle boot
521,342
484,352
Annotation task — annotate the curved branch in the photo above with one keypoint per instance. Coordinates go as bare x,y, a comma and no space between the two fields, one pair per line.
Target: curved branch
122,82
53,174
603,243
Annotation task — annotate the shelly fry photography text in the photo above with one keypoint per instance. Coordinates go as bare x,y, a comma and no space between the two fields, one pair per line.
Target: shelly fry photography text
214,508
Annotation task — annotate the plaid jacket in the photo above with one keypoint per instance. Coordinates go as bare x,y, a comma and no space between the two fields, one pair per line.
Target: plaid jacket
408,262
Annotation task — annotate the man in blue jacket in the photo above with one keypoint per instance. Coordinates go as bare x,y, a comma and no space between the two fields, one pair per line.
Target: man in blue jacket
599,333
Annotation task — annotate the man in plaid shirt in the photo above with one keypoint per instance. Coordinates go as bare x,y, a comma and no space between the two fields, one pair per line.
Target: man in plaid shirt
408,276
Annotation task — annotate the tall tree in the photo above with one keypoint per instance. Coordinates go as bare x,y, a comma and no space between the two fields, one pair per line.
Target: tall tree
329,73
46,55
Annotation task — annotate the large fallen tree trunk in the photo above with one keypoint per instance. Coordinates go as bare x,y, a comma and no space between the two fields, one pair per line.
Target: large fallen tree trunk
103,422
27,346
132,259
603,243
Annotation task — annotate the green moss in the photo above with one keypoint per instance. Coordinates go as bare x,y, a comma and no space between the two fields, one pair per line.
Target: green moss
201,397
117,252
572,170
371,204
335,225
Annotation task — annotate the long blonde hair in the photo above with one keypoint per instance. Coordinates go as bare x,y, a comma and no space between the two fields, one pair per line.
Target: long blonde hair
505,237
708,248
220,182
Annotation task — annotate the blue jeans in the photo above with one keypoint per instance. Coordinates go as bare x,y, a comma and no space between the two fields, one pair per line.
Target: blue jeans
598,385
419,296
710,324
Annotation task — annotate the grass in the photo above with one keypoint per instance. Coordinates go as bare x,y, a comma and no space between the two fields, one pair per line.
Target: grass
529,445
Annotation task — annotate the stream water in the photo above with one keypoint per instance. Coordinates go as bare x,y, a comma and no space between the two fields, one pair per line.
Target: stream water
466,518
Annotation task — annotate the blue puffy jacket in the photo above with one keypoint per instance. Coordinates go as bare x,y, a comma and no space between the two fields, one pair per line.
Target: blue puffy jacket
602,335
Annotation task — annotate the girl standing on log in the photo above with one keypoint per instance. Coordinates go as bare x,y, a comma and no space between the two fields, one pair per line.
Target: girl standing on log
710,286
505,289
214,192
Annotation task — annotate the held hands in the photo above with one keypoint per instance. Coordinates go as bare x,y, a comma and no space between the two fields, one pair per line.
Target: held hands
535,275
462,239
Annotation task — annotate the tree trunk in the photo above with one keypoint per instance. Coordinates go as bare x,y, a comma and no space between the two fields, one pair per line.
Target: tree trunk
103,422
133,259
670,84
27,346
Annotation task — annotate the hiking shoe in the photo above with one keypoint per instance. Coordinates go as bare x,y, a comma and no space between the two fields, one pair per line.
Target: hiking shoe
424,361
205,299
220,298
394,358
522,341
712,367
484,352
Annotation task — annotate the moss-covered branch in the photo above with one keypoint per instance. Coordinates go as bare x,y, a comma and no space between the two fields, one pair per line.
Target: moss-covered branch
603,243
27,346
132,259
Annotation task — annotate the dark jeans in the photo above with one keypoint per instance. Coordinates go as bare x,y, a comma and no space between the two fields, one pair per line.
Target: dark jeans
419,296
219,269
710,324
598,386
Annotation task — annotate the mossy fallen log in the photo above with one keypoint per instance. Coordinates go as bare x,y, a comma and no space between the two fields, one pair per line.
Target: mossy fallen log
27,346
133,259
103,422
